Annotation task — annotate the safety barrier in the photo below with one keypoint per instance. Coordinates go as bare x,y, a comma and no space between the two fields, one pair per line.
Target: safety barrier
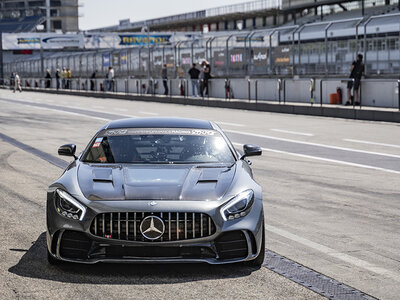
373,92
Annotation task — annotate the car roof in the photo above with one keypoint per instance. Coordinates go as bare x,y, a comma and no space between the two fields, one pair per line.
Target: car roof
159,122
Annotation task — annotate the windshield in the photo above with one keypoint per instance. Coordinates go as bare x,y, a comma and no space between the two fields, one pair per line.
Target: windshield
159,146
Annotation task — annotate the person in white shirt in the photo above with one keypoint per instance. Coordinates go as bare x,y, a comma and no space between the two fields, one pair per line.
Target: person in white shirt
17,83
110,79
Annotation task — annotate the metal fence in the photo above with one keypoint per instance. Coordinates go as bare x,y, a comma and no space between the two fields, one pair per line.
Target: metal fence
324,48
384,93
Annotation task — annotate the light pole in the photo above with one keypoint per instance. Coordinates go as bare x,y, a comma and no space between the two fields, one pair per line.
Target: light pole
146,28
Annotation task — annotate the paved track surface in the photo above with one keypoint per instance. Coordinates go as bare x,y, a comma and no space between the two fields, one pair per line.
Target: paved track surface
331,199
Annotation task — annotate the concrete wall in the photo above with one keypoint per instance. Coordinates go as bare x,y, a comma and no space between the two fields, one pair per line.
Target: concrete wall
374,93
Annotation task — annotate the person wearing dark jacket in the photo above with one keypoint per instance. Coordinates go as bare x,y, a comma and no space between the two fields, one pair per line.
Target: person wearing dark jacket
48,79
356,72
58,78
194,78
93,80
164,76
206,77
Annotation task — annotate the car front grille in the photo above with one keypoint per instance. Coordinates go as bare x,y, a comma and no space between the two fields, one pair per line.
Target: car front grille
178,226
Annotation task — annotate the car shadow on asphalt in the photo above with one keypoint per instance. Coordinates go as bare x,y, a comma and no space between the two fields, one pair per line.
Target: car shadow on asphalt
33,264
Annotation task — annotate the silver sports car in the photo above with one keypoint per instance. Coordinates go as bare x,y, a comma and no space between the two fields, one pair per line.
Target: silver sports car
157,190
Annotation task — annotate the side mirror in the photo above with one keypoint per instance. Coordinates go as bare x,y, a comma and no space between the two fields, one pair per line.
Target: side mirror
67,150
251,150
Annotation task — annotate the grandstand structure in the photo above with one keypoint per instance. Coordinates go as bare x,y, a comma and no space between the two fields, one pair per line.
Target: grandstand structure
310,38
254,15
26,15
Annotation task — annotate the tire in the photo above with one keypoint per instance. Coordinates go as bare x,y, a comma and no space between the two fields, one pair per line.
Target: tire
52,260
259,260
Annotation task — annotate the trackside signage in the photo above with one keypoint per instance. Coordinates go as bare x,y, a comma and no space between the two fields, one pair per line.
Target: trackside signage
17,41
35,41
144,39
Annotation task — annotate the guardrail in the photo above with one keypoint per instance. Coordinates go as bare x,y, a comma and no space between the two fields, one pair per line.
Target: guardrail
246,89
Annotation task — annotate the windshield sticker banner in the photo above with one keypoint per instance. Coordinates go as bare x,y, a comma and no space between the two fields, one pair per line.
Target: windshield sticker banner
134,40
157,131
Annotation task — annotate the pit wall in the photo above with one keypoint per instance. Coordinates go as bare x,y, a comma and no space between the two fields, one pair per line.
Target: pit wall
382,93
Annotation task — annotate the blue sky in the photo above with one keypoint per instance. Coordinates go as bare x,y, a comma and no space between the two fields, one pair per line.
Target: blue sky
101,13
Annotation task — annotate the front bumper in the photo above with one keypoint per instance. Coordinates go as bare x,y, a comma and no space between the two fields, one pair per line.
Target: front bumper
233,241
230,247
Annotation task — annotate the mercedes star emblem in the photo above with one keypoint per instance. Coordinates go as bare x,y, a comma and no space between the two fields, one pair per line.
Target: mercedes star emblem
152,227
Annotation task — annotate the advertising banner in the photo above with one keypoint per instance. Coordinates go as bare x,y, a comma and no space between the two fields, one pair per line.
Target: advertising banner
199,57
260,56
34,41
282,55
106,60
57,41
115,59
106,40
237,58
242,39
170,60
100,40
219,59
124,58
186,60
157,61
143,39
103,40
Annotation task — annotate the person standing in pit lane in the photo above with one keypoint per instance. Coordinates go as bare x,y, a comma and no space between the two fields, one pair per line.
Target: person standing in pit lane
110,79
63,78
58,78
356,72
194,78
207,76
69,76
164,76
17,83
48,79
93,80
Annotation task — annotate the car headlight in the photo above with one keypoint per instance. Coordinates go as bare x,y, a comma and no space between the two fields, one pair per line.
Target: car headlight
69,207
238,206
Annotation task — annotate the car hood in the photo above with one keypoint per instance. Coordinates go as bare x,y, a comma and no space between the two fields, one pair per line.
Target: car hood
156,182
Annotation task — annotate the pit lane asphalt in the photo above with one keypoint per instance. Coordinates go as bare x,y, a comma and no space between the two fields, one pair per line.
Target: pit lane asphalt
341,220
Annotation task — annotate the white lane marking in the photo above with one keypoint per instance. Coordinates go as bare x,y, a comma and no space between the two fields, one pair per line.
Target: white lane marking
60,108
292,132
100,111
66,112
229,124
371,143
328,160
120,109
311,144
148,113
98,106
334,253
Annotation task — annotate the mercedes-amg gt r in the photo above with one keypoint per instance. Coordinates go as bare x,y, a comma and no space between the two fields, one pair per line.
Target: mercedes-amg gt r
157,190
